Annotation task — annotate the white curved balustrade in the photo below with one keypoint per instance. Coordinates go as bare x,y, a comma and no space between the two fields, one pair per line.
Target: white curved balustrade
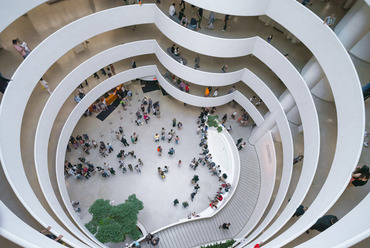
11,227
11,10
353,227
343,85
67,86
341,125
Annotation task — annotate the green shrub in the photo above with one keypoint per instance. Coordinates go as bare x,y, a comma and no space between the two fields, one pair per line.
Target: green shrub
227,244
219,129
113,223
212,120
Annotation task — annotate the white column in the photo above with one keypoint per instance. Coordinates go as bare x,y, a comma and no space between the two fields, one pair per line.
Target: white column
361,49
266,126
354,29
347,4
322,90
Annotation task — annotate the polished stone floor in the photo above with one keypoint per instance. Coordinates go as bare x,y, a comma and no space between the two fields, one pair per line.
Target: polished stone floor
157,194
47,18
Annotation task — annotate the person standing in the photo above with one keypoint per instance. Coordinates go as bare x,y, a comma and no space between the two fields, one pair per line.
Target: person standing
224,119
206,93
112,69
300,211
224,68
23,45
211,20
44,85
215,94
197,61
187,88
174,122
269,38
330,20
297,159
109,72
226,19
239,141
182,3
159,150
200,16
324,223
171,151
20,49
110,148
172,10
133,64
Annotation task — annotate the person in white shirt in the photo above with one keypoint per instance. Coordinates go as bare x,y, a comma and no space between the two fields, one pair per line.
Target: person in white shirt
44,85
215,93
172,10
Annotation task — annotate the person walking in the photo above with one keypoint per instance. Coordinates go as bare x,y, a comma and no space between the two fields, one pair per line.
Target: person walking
44,85
241,146
124,141
239,141
224,119
224,226
192,195
226,19
196,188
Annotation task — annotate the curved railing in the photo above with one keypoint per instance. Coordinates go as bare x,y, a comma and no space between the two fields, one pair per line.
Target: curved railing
338,139
346,232
343,85
60,94
35,51
11,10
11,227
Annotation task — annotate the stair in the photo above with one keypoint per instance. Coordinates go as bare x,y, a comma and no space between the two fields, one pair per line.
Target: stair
237,211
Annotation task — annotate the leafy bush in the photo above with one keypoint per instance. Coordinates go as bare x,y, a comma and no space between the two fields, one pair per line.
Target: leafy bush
219,129
113,223
212,120
227,244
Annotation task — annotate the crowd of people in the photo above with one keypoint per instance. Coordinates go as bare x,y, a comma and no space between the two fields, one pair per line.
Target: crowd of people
205,160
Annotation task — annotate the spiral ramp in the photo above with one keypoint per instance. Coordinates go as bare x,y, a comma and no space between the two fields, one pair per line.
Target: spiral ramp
258,205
